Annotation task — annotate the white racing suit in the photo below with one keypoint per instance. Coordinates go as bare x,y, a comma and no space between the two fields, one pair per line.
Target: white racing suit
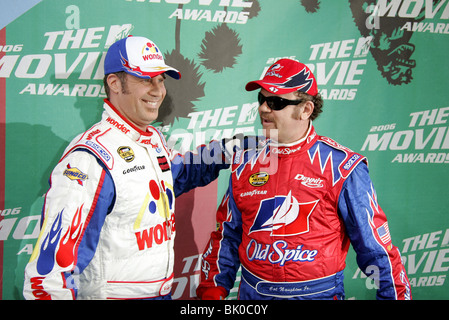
109,216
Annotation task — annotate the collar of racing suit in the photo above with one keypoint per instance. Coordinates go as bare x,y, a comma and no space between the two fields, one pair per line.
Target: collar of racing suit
117,120
293,147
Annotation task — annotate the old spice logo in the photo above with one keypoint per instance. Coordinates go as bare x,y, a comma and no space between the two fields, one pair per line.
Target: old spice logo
309,182
311,137
279,252
285,150
122,127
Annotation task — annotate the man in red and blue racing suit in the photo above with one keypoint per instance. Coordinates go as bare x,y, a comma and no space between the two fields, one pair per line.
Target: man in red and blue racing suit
294,205
108,225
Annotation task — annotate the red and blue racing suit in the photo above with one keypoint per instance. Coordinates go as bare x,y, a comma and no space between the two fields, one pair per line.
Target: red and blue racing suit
288,218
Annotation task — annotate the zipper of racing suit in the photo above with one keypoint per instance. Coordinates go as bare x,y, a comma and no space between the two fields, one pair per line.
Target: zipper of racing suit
166,209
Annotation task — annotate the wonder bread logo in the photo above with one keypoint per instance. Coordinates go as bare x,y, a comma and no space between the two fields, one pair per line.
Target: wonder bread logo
75,174
150,52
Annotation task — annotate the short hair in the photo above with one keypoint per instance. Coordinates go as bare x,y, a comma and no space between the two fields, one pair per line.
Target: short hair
317,101
121,75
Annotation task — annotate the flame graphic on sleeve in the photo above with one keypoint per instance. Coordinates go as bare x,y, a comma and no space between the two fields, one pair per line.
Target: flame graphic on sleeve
46,259
36,250
66,255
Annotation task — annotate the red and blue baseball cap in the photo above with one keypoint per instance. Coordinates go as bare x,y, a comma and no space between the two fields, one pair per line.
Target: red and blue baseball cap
284,76
139,57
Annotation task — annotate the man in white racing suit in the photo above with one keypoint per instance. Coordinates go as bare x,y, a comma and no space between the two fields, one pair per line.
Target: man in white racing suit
108,221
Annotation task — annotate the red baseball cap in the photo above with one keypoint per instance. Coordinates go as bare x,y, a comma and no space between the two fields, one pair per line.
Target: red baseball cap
284,76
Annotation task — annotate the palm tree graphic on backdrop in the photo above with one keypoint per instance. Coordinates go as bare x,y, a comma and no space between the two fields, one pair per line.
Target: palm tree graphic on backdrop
220,49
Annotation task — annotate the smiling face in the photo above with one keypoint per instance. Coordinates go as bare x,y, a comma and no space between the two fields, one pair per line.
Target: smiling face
289,124
137,99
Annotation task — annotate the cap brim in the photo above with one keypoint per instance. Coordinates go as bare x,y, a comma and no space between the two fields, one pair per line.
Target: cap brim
175,74
154,72
253,85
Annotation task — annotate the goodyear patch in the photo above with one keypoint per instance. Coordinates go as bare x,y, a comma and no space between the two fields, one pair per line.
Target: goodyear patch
75,174
259,179
126,153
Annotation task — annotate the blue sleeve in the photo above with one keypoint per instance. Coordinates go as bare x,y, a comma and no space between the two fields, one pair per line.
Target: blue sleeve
197,169
221,259
367,227
105,200
231,228
103,206
73,215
